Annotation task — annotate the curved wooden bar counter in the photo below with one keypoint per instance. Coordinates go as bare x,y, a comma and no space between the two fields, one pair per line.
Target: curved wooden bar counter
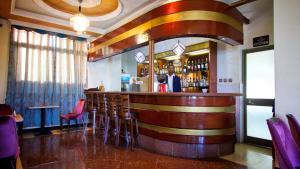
192,125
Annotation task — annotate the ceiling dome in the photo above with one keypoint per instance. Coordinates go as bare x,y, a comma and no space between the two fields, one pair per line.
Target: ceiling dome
85,3
95,10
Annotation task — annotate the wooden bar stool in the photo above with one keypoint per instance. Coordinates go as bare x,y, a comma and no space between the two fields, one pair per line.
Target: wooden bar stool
101,109
91,108
126,116
111,120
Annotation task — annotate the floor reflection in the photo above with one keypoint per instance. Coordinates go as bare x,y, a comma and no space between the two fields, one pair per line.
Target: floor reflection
74,150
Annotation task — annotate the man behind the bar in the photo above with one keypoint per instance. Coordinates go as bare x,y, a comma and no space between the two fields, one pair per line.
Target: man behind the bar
172,80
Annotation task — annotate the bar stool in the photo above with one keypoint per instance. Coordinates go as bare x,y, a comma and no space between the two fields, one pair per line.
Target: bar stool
92,108
101,109
111,116
126,116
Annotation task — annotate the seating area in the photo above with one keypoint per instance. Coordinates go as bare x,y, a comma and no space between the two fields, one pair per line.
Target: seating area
149,84
114,116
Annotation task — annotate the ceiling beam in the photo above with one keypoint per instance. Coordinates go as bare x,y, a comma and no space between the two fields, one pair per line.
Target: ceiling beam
240,3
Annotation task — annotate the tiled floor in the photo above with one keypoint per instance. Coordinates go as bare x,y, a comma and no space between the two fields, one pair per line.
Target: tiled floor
73,150
252,156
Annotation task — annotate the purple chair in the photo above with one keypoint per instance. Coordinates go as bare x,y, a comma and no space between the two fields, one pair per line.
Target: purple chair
5,110
286,149
9,149
295,128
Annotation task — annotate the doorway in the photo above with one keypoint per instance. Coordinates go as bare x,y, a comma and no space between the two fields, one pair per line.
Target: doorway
259,94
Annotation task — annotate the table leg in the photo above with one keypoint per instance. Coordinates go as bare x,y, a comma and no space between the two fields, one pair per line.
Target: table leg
94,121
43,130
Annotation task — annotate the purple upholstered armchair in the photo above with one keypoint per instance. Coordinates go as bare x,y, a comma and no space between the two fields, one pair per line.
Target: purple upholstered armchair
286,149
9,148
295,128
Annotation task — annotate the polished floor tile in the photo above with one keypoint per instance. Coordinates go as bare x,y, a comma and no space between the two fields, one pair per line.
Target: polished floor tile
252,156
74,150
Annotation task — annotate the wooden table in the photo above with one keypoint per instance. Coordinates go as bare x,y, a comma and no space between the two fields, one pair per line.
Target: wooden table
43,130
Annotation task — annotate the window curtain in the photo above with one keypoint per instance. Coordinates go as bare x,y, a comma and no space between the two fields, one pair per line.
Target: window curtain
45,69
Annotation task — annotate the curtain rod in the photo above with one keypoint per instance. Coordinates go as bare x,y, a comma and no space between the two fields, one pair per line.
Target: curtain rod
40,31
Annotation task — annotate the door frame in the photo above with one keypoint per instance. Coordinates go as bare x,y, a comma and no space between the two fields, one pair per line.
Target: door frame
247,139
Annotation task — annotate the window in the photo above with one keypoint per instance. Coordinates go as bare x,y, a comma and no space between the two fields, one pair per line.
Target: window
46,57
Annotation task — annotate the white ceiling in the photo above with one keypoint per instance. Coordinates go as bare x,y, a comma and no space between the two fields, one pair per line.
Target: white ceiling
130,10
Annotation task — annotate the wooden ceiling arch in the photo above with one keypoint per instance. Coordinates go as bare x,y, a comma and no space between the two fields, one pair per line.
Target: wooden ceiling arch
205,18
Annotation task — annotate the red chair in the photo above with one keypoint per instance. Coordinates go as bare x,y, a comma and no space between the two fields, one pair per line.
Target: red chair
295,128
77,114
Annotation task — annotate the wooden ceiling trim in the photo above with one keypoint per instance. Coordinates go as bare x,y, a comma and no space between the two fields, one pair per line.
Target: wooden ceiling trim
205,18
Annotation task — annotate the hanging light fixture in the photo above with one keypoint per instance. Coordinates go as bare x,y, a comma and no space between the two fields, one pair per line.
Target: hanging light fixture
179,49
79,21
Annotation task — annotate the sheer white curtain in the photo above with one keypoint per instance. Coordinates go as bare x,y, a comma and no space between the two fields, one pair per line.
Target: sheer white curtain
45,69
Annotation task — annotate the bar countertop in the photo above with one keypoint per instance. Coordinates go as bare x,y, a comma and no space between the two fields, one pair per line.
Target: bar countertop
168,93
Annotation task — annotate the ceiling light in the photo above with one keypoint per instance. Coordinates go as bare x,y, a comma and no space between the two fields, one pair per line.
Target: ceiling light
174,57
179,49
198,52
141,38
140,57
79,21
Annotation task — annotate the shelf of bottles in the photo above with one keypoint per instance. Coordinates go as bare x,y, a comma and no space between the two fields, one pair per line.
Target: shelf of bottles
143,69
193,72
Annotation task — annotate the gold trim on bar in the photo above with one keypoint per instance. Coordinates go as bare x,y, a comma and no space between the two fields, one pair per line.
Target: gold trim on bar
179,16
141,106
190,132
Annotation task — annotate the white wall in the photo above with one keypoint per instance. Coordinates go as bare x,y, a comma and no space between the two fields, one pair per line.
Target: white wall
4,55
230,57
108,71
287,57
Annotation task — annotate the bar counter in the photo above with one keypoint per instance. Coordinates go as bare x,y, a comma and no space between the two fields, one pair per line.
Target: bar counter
191,125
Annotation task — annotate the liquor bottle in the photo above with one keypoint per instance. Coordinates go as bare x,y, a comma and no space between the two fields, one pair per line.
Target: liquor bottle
206,63
191,82
199,65
196,82
206,82
188,82
202,65
196,66
188,66
192,66
184,68
142,72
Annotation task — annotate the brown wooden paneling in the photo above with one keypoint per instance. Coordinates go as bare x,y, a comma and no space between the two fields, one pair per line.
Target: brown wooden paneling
183,101
187,139
187,120
203,28
213,67
208,29
173,8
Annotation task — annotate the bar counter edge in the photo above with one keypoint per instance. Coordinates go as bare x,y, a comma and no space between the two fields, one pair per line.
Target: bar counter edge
190,125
